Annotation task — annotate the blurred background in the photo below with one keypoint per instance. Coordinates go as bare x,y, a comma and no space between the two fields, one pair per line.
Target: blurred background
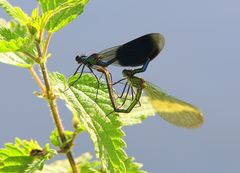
199,64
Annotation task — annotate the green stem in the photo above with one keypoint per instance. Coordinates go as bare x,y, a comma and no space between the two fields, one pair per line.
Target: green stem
37,79
52,100
46,46
54,109
39,50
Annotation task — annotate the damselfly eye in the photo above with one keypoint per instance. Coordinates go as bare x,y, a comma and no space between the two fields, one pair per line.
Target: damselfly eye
79,59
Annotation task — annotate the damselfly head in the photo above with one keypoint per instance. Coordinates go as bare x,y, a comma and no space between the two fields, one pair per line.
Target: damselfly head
80,59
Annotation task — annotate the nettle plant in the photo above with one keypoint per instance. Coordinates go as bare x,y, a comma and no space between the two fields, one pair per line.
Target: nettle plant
24,43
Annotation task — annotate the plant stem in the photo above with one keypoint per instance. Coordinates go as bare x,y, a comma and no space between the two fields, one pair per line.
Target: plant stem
39,50
46,46
51,98
37,79
56,117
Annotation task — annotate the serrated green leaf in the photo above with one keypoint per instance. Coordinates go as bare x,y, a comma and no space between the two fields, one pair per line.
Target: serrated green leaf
35,166
7,34
13,38
11,30
18,157
13,45
88,166
64,11
103,130
58,13
19,30
85,164
15,12
133,167
17,59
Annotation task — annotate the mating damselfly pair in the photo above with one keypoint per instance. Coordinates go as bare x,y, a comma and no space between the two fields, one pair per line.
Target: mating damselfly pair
139,52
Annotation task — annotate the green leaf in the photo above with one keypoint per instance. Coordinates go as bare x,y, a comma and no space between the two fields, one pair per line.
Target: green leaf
17,59
88,166
13,45
15,12
14,37
19,30
139,113
84,162
35,13
4,22
133,167
7,34
23,156
55,138
58,13
23,31
104,130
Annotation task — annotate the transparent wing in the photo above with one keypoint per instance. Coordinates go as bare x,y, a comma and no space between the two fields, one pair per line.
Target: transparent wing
109,54
173,110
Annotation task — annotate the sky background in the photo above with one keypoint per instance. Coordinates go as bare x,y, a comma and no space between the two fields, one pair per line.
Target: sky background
199,64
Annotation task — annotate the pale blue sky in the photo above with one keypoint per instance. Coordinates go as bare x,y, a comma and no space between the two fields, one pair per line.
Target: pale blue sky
200,64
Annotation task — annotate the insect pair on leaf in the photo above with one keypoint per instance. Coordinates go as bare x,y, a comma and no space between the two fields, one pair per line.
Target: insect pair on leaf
139,52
